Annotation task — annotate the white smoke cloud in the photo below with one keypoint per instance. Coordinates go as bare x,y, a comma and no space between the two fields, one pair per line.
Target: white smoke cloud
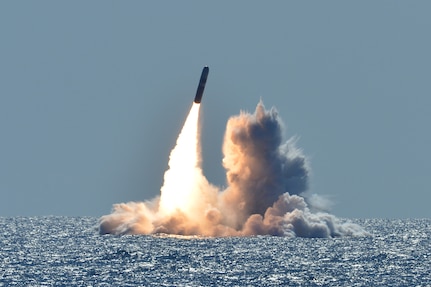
265,194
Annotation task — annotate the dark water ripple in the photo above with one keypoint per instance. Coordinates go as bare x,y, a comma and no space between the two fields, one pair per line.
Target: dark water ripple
65,251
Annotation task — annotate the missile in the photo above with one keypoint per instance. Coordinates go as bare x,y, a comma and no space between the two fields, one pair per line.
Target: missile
201,87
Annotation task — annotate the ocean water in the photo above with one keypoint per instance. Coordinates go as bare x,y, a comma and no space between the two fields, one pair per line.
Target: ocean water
68,251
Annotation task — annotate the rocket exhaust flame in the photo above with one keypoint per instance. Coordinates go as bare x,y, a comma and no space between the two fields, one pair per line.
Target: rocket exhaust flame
178,188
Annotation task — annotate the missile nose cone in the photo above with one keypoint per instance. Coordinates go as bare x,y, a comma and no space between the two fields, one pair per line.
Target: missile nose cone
201,86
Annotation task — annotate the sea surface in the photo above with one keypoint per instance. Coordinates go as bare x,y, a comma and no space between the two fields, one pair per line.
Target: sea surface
68,251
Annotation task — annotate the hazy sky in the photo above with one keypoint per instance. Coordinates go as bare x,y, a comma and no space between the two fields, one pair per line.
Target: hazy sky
93,95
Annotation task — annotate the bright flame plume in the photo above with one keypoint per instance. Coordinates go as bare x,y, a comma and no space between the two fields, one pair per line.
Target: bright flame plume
181,177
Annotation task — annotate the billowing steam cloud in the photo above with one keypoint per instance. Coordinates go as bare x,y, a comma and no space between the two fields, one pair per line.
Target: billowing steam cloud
266,181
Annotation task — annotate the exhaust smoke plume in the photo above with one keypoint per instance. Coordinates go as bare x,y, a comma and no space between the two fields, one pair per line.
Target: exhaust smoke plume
266,181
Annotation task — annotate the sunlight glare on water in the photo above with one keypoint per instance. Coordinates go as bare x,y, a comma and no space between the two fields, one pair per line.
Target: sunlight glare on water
68,251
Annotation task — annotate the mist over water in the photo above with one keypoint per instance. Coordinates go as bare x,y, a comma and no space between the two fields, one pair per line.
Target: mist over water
266,181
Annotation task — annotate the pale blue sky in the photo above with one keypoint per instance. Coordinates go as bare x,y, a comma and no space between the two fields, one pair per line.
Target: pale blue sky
94,93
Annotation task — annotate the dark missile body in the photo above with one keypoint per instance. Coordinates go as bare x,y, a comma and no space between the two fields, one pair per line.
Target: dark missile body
201,87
